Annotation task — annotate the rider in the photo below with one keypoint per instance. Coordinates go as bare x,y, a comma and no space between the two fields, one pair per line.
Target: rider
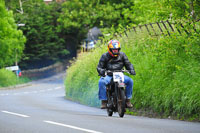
114,60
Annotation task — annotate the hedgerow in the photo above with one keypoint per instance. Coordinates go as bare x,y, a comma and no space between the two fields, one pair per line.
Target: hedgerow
167,80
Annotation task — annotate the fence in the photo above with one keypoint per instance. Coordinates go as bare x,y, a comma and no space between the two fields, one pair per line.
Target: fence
158,28
153,29
163,28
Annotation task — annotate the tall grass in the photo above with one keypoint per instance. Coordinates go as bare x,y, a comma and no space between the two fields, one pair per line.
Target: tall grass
168,74
82,78
8,78
167,77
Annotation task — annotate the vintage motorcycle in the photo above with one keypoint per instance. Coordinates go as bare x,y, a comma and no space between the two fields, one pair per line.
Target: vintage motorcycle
116,93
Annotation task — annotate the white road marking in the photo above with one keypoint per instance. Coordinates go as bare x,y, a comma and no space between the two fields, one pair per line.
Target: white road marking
57,88
12,113
31,92
34,92
69,126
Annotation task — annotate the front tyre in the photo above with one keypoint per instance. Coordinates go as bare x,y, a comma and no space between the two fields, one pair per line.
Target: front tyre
121,102
109,112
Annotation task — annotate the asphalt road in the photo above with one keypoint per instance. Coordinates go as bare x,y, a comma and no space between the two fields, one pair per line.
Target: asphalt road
40,107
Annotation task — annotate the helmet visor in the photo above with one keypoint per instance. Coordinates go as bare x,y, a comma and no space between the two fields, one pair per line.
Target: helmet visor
115,51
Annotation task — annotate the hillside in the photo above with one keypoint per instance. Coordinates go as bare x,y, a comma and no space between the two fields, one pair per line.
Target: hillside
168,74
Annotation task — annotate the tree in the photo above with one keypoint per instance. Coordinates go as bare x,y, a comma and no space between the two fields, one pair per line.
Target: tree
44,45
148,11
11,40
78,16
44,42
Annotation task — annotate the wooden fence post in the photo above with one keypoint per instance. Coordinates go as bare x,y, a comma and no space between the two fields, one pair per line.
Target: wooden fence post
125,33
165,27
140,27
134,29
170,25
153,29
184,29
147,29
159,27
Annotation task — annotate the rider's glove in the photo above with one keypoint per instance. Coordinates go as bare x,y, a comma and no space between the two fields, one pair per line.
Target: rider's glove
102,72
109,73
132,72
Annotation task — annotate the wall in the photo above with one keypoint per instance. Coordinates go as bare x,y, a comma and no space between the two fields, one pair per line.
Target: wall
46,71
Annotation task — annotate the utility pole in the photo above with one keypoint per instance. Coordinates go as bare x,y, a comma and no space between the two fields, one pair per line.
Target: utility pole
16,61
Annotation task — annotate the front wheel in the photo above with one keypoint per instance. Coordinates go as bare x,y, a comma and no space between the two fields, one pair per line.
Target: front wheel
121,103
109,112
110,104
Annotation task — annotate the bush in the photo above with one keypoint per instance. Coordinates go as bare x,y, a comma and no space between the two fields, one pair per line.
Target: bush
168,74
8,78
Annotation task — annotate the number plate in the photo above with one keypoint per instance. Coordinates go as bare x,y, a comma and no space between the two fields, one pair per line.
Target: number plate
118,77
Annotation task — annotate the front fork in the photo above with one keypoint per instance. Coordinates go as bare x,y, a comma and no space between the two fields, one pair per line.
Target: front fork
109,97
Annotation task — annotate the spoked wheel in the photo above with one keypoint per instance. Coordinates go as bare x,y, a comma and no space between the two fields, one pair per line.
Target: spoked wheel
109,105
121,104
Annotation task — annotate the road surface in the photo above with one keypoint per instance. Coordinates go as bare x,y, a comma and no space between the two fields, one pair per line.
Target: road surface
41,107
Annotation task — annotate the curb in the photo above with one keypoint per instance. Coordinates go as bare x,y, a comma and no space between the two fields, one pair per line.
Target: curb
16,86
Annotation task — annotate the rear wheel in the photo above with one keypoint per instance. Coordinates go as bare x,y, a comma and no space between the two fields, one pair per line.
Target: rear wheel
121,103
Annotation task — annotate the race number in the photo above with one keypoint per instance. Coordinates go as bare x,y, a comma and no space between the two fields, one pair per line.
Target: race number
118,77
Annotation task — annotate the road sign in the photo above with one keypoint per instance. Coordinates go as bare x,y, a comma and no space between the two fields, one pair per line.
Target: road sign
20,24
13,68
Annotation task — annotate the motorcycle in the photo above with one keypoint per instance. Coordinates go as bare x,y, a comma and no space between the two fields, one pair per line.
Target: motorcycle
116,93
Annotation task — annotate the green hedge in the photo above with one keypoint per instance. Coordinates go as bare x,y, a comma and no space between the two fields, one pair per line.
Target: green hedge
167,80
8,78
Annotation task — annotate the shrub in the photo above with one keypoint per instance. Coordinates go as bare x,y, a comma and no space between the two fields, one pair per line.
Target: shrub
8,78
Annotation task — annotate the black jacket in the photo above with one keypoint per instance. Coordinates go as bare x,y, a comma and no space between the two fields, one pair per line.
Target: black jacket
107,62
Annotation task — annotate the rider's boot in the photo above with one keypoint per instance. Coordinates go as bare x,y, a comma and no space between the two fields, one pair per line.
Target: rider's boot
104,104
128,103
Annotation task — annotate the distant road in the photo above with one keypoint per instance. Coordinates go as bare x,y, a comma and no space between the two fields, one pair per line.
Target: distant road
41,108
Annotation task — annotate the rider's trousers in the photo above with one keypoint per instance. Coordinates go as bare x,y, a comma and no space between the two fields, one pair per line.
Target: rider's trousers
104,81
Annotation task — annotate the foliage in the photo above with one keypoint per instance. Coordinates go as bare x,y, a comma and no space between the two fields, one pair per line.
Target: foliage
167,80
79,16
184,9
43,41
53,30
11,40
148,11
82,78
44,45
8,78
